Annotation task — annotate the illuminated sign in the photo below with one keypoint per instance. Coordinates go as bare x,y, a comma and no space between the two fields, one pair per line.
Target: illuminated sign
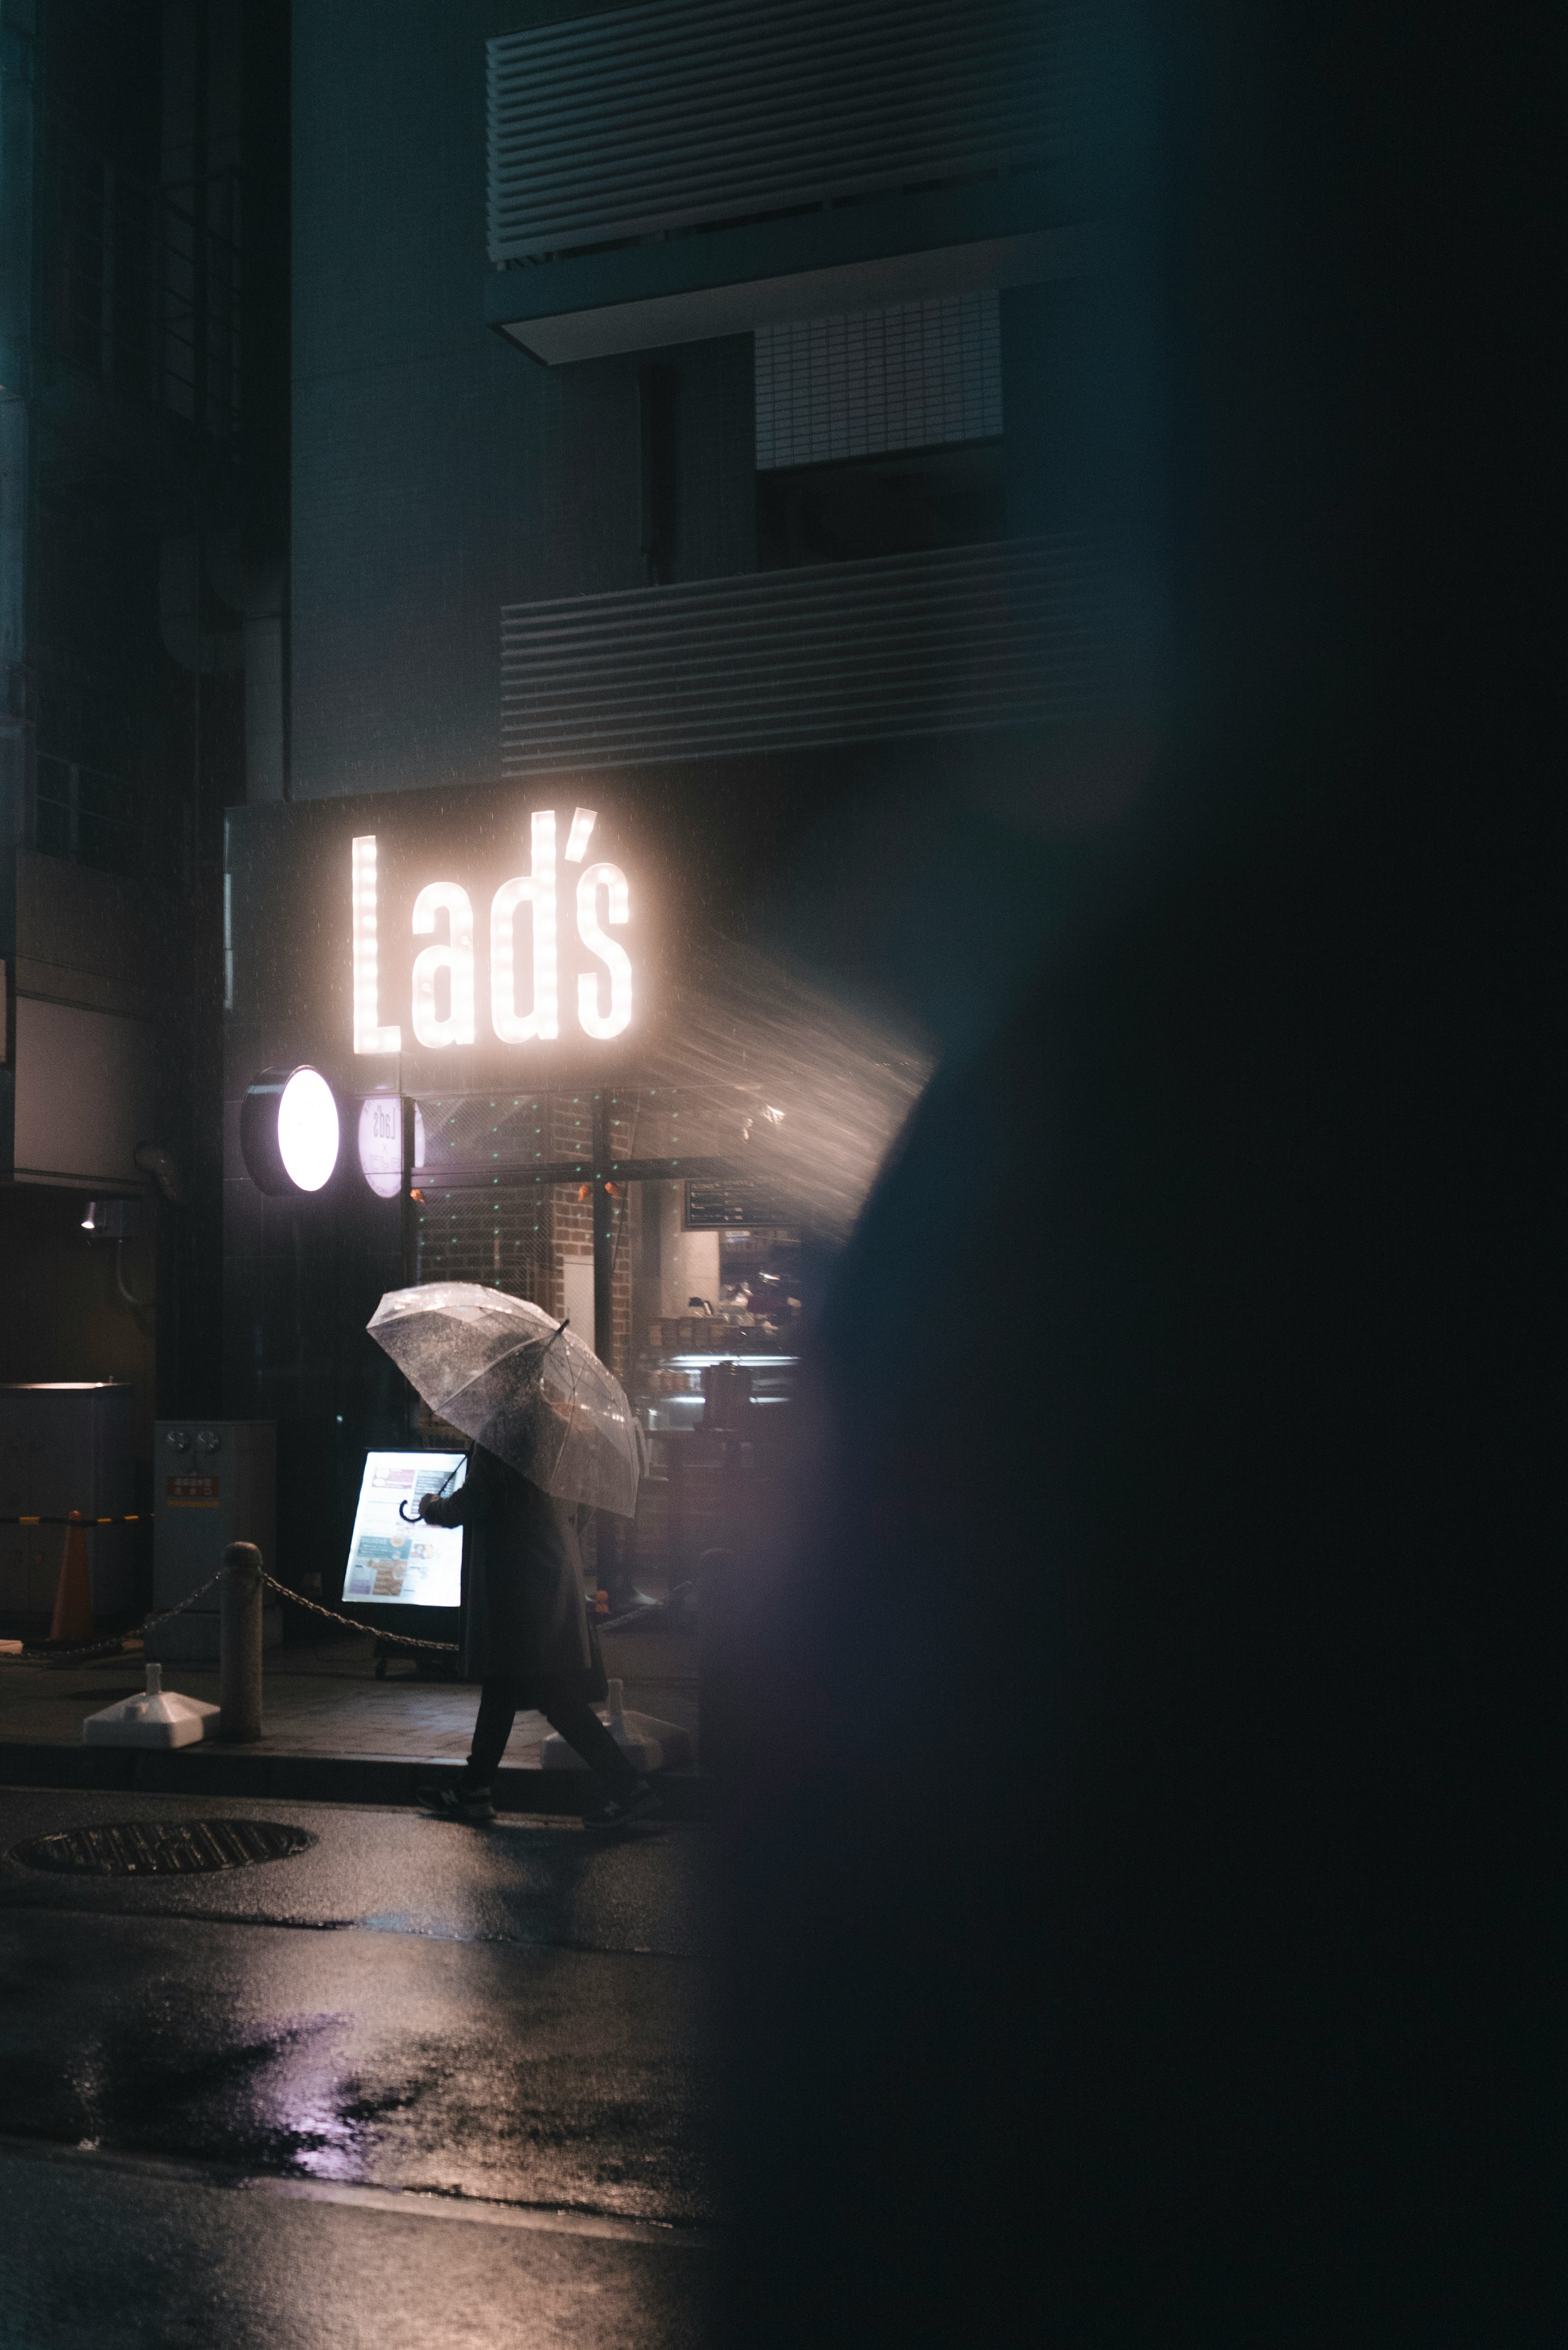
181,1492
394,1559
525,958
381,1143
289,1130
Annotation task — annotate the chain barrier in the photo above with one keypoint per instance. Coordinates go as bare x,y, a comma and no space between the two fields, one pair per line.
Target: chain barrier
78,1518
295,1599
112,1648
447,1648
403,1640
39,1653
189,1600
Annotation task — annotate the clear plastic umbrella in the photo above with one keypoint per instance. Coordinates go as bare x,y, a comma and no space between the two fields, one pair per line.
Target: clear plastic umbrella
504,1372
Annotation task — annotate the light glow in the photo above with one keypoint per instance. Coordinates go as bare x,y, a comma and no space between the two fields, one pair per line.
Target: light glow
536,888
614,956
396,1561
455,958
307,1132
381,1144
583,823
370,1034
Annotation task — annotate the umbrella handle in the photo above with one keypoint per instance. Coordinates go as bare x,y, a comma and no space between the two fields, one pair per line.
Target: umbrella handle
416,1520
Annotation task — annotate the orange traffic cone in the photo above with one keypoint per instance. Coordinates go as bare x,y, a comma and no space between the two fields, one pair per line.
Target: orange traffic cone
73,1594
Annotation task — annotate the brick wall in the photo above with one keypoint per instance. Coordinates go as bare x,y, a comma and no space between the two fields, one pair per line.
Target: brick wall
518,1237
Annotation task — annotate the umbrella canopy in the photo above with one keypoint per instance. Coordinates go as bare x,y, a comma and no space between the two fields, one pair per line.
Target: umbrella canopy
504,1372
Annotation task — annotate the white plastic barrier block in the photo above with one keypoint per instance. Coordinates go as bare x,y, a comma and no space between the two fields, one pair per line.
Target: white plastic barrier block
648,1743
158,1718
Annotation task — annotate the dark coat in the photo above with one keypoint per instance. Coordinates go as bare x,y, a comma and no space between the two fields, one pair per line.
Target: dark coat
523,1615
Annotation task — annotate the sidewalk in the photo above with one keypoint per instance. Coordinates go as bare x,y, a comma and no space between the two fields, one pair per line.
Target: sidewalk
332,1731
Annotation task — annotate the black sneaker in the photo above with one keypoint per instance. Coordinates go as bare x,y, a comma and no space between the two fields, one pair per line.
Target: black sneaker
450,1803
619,1811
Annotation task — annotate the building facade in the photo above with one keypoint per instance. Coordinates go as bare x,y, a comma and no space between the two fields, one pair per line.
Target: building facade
703,427
143,528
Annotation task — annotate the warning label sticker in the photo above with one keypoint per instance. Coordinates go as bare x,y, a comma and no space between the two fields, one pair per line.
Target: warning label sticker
191,1493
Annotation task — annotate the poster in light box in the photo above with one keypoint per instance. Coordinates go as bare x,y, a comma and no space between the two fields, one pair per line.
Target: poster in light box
394,1563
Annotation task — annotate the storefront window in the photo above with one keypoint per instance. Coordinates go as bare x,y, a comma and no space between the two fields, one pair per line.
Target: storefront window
718,1318
483,1215
704,1271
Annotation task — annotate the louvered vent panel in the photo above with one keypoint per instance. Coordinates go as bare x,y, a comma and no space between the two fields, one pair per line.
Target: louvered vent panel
904,377
1014,633
657,116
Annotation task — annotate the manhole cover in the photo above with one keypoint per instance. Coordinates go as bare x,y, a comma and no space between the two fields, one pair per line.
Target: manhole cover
138,1848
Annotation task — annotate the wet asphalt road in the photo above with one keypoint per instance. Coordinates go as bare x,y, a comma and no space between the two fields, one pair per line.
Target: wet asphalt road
422,2083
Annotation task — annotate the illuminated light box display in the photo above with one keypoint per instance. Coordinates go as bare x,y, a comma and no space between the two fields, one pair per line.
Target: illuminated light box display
381,1143
289,1132
466,965
444,973
391,1562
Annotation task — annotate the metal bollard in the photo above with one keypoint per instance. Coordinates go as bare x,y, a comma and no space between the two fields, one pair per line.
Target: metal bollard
239,1644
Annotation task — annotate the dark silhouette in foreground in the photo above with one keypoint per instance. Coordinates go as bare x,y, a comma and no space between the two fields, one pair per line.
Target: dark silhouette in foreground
1142,1858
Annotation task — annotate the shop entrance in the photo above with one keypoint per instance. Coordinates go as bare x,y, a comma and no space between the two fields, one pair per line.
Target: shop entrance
673,1259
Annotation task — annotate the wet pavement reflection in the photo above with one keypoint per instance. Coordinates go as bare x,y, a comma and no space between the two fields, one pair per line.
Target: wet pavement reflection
100,2251
513,2016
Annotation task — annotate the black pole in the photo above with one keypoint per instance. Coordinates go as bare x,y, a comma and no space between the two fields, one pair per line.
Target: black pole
609,1549
239,1644
604,1230
406,1202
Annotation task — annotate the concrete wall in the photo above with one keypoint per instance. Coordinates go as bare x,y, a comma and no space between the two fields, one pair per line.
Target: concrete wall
438,472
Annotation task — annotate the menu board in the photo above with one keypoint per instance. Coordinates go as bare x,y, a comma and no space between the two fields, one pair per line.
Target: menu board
717,1207
394,1563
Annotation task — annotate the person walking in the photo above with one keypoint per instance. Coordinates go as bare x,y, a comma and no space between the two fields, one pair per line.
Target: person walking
525,1639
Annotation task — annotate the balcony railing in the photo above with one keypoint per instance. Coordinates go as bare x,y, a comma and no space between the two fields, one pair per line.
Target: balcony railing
88,817
1017,633
635,122
144,284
